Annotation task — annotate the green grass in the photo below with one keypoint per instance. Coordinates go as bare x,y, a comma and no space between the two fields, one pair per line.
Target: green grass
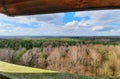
11,68
21,72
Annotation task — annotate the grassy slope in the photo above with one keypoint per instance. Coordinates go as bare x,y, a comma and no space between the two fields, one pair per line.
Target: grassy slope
22,72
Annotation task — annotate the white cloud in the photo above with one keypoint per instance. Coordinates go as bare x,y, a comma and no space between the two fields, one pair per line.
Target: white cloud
97,28
104,22
72,23
51,18
48,24
100,23
102,17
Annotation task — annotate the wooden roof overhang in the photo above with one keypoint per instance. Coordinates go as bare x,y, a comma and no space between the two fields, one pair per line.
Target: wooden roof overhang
30,7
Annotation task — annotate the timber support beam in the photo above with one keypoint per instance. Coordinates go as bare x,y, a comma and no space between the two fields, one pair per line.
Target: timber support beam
30,7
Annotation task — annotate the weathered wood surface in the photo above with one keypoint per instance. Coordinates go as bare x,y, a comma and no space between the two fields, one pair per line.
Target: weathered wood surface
28,7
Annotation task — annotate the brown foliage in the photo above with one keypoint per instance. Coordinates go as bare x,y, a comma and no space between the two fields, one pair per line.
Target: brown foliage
89,60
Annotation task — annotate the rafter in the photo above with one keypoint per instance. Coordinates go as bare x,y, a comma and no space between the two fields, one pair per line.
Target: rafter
28,7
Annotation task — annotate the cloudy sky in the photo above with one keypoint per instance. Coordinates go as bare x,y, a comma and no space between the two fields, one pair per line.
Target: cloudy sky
89,23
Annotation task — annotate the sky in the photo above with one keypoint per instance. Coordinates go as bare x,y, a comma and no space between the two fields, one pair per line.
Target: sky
83,23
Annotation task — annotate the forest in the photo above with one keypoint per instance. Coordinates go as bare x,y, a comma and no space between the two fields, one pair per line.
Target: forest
89,56
29,43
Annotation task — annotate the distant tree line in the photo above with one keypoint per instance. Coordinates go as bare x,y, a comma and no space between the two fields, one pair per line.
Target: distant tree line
54,42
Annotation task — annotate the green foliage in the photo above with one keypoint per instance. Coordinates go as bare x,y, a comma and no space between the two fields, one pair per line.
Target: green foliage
19,55
43,56
54,42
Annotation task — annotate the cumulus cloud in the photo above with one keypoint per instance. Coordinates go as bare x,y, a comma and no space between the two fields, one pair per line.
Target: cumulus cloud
103,28
97,23
51,18
97,28
103,17
46,24
104,21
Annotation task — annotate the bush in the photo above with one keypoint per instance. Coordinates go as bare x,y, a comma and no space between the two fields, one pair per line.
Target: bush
43,56
19,55
105,71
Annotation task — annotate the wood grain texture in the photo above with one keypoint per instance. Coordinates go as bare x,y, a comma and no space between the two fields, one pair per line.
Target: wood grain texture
29,7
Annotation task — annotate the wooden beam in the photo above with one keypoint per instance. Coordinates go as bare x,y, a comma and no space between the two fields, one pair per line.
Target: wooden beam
29,7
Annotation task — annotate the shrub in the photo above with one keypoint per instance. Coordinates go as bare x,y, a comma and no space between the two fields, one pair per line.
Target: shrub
19,55
43,56
105,71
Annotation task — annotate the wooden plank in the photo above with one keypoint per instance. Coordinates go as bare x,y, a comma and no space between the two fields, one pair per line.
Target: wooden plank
28,7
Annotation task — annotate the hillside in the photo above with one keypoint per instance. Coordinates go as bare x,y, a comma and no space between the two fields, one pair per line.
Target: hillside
21,72
88,57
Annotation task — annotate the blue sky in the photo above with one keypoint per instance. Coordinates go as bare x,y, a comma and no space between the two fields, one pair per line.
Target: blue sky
85,23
